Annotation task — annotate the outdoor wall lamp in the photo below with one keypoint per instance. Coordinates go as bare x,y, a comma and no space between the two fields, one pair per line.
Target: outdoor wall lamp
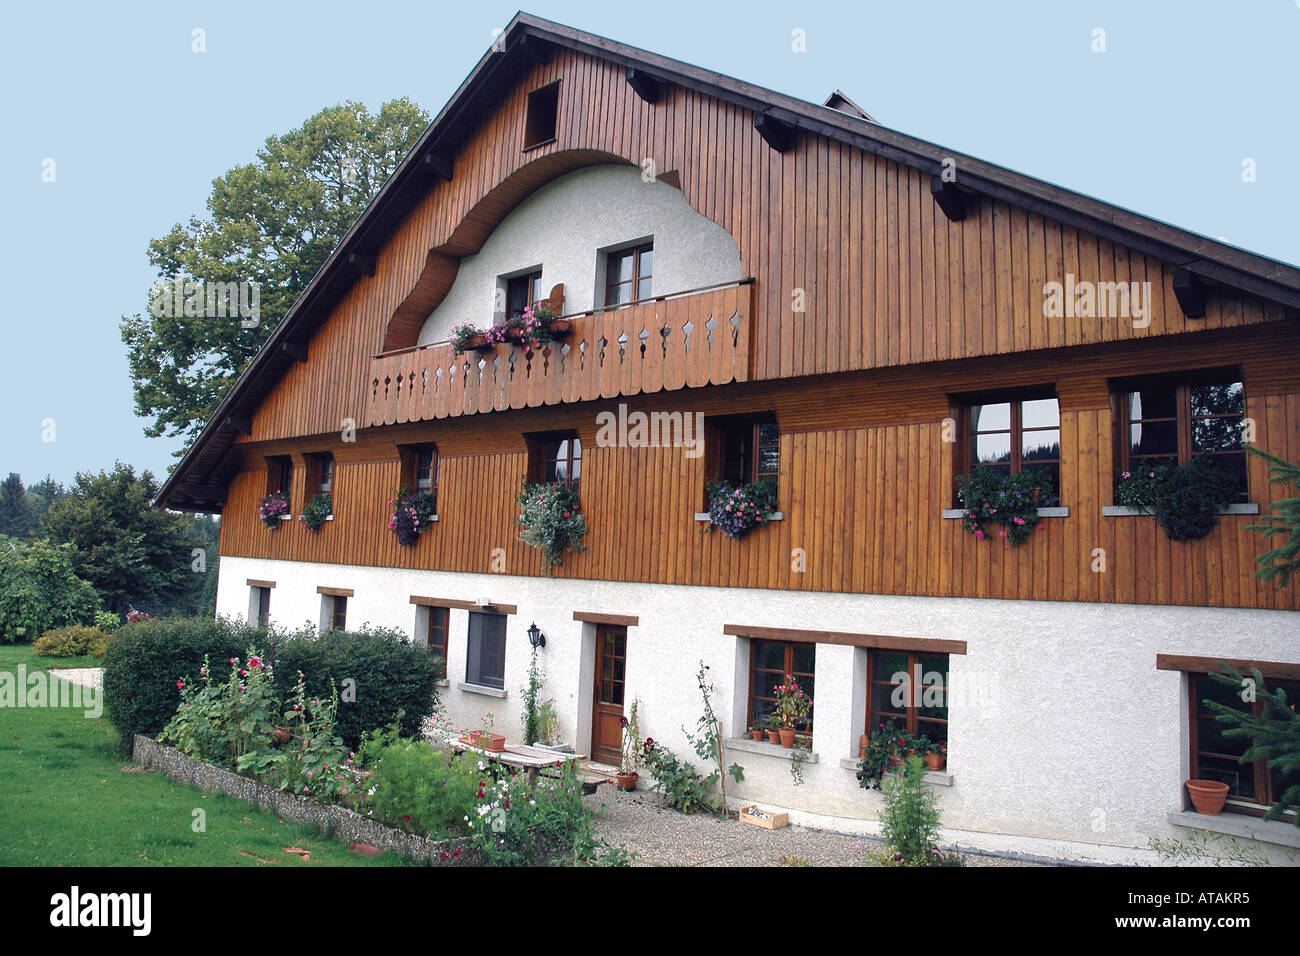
535,635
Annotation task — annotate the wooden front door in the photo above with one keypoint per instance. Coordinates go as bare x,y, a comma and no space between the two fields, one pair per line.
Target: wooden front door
607,710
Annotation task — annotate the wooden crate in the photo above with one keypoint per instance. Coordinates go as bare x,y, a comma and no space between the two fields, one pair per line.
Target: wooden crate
764,818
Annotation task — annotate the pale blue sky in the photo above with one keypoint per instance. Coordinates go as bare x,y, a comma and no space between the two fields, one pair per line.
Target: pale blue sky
139,126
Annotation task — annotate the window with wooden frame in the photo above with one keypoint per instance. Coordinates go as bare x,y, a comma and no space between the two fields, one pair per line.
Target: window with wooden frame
420,466
521,292
909,688
629,274
320,474
769,662
279,476
542,113
1011,432
1171,419
743,448
436,633
485,659
1252,787
556,457
338,612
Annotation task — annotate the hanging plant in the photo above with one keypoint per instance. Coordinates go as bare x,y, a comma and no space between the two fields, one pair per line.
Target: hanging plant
1186,500
994,497
412,513
317,511
273,506
738,510
551,520
465,337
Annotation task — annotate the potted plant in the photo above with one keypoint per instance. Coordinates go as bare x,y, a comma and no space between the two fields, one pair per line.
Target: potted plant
1186,500
1208,796
758,731
484,738
996,497
539,326
466,336
551,520
774,727
273,507
936,754
412,512
631,756
793,705
738,510
317,511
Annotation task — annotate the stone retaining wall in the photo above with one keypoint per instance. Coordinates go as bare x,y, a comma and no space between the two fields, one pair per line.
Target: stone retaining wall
336,822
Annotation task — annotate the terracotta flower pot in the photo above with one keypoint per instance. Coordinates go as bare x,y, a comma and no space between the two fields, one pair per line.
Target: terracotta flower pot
757,734
281,734
626,781
787,737
494,743
1208,796
514,334
935,761
774,736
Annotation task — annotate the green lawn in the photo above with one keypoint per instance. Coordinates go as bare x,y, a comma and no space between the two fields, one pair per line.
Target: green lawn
69,797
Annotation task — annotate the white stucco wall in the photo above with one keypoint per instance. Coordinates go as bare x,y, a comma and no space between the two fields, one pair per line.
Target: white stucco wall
1066,731
564,226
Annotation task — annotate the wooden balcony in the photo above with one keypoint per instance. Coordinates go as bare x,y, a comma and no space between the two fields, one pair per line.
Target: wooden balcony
688,339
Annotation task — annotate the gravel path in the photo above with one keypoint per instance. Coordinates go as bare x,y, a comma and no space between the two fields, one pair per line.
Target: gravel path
663,837
85,676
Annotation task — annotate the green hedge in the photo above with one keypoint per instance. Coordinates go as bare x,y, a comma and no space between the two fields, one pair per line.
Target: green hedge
146,658
75,641
387,673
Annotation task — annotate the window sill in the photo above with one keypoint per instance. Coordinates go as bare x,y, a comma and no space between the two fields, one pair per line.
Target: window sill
481,689
1058,512
1277,832
545,142
935,778
751,746
1124,511
771,516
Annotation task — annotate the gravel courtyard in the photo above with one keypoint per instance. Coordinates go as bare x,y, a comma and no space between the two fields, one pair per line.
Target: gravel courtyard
663,837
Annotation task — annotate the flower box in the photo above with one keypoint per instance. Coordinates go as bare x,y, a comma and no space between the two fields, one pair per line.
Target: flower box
493,743
763,818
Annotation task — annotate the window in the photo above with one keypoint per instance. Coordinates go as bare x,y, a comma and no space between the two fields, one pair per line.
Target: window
521,292
279,476
1171,419
337,608
911,689
259,604
486,658
1014,433
320,474
745,449
769,662
436,636
556,458
420,466
539,122
628,274
1214,756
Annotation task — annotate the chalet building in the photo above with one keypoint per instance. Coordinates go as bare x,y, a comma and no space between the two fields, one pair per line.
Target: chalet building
860,316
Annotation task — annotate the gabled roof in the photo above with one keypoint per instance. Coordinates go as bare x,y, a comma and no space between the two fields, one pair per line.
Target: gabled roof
197,482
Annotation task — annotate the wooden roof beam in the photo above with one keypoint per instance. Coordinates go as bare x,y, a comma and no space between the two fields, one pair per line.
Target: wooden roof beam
647,87
1190,290
778,135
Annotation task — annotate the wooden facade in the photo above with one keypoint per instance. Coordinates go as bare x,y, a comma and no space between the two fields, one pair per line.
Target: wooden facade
868,309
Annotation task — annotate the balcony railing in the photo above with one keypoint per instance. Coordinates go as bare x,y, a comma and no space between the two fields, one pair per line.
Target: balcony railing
693,338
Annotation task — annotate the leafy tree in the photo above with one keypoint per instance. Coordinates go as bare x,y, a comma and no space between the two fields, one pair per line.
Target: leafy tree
1274,734
129,550
40,496
273,221
16,518
39,590
1280,562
